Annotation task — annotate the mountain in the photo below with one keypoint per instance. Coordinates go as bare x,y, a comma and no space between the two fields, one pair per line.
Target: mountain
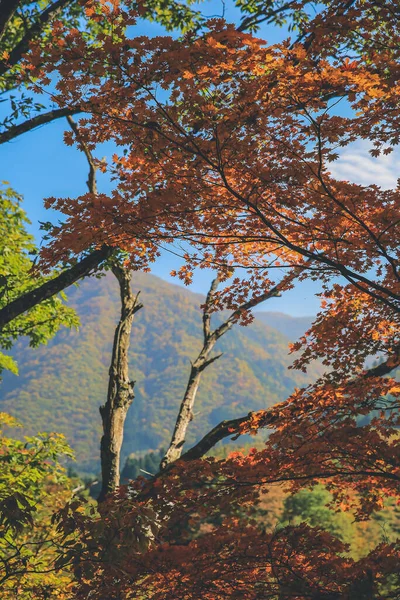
291,327
61,386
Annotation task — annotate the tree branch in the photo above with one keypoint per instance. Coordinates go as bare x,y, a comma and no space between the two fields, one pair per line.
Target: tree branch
7,10
23,45
30,124
220,431
91,182
232,427
393,362
54,286
274,292
259,17
203,360
67,277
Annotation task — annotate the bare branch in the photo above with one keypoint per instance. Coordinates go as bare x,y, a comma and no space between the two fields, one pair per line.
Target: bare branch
91,182
52,115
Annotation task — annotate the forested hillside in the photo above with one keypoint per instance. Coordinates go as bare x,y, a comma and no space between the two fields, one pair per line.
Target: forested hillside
61,386
291,327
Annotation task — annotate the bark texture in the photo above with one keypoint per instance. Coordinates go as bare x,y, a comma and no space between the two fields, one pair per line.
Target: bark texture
120,389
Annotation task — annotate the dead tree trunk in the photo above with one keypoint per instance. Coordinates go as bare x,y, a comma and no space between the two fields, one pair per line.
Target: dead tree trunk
120,389
203,360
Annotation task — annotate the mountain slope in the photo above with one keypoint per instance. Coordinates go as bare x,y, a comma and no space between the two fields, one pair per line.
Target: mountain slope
61,386
291,327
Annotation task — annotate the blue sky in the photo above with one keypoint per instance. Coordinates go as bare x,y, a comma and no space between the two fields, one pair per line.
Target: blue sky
39,164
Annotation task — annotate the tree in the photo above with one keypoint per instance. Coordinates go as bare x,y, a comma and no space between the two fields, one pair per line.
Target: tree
21,25
247,132
120,393
251,146
233,156
312,508
17,255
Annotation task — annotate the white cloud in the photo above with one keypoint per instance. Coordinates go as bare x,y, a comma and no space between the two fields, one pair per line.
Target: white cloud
356,164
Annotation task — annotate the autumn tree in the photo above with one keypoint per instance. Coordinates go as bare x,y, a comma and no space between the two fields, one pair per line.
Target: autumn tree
21,24
31,305
233,156
248,132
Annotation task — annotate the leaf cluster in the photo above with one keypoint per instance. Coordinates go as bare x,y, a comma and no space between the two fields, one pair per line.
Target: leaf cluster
33,485
18,254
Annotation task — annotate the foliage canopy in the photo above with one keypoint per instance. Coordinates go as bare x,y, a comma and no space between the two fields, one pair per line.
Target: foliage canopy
226,144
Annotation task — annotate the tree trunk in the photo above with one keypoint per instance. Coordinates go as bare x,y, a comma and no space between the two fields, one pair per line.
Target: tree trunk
120,389
184,417
185,414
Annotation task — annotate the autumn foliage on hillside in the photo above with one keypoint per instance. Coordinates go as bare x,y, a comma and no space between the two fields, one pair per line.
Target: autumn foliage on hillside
226,143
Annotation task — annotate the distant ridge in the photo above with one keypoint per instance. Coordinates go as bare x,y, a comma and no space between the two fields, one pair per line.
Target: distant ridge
291,327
